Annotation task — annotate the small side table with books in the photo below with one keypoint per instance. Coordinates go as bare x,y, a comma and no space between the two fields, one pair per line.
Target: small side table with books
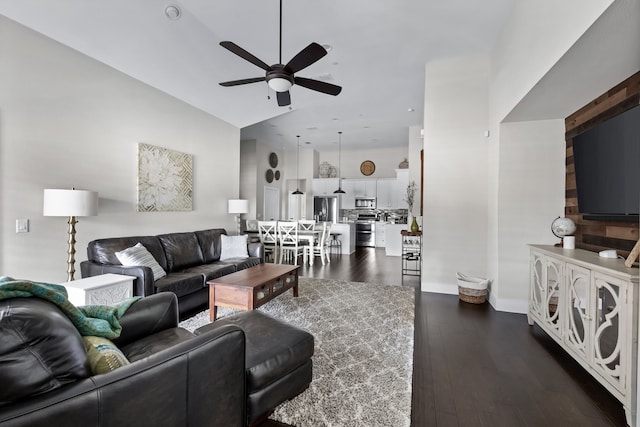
411,252
105,289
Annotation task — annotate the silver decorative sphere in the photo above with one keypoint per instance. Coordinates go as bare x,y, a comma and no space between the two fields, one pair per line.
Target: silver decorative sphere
561,227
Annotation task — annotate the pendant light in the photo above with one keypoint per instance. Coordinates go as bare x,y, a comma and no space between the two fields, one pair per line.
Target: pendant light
298,192
339,190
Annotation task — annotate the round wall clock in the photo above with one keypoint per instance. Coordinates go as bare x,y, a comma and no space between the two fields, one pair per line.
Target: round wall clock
269,176
273,160
367,167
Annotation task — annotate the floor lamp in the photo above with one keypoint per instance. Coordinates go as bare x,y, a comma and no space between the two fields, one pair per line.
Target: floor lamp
71,203
238,206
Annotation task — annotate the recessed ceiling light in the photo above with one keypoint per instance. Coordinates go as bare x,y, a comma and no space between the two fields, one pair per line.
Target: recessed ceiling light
312,128
173,12
335,119
307,142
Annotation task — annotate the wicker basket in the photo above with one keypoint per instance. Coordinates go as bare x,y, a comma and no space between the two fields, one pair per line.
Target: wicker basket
472,289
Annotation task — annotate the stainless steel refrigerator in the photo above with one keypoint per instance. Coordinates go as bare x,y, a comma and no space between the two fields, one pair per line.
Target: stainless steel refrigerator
326,208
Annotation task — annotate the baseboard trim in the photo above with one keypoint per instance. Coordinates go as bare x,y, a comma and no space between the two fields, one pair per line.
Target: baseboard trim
499,304
439,288
511,305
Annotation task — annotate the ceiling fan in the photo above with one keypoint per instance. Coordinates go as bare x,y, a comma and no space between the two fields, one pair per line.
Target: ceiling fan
281,77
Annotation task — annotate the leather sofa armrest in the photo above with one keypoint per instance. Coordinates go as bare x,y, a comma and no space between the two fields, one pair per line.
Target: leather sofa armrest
256,249
147,316
142,284
218,356
167,388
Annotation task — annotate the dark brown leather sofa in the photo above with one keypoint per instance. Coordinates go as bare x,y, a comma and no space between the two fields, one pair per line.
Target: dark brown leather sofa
190,260
232,373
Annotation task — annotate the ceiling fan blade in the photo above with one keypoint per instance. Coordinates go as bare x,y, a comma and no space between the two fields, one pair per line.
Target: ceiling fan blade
284,98
317,85
305,57
245,55
242,82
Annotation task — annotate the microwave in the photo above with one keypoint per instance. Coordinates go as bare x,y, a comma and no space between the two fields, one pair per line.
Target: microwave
365,202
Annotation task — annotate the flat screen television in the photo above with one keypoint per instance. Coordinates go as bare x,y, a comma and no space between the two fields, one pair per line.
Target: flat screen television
607,168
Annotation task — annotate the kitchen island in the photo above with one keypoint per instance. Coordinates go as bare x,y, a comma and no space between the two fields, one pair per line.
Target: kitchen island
393,238
347,236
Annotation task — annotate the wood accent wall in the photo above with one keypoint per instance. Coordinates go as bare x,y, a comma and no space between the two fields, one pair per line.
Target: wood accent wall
598,235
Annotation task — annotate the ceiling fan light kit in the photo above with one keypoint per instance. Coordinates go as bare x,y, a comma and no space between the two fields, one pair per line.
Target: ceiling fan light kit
281,77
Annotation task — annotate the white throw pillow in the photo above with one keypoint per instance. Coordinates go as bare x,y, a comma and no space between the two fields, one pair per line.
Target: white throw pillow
138,255
234,247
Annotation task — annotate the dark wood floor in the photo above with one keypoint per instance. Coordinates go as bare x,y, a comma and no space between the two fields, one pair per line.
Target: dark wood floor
474,366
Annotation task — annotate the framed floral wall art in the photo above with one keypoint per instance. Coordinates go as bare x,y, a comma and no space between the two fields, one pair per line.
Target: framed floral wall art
165,179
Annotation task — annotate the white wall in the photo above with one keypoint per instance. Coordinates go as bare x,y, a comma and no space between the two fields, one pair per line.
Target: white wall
385,159
415,146
254,164
455,171
536,36
67,120
526,159
531,194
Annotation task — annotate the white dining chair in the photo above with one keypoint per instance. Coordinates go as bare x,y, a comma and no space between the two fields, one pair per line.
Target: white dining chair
268,232
321,246
306,224
289,243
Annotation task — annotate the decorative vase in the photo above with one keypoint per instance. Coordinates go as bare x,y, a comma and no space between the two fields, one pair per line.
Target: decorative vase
324,169
414,226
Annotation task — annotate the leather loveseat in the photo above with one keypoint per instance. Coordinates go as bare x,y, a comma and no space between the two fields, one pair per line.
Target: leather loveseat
226,374
190,259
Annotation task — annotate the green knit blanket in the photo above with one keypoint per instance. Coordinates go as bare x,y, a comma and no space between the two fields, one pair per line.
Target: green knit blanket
98,320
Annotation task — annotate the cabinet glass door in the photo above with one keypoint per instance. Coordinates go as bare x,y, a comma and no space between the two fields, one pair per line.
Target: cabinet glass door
607,338
537,285
578,280
553,296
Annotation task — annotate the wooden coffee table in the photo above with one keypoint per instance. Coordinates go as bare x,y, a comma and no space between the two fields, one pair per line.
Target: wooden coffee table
252,287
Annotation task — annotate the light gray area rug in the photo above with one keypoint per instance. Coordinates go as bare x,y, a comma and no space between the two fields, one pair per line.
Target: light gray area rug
363,359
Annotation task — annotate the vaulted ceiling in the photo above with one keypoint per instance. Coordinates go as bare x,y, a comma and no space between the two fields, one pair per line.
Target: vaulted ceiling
378,50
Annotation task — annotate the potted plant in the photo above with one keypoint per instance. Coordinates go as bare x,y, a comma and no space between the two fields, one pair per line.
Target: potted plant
409,198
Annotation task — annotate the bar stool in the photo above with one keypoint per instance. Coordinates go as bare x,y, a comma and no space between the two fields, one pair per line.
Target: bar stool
335,243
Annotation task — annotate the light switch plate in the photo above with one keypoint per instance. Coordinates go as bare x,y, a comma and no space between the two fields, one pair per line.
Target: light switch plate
22,225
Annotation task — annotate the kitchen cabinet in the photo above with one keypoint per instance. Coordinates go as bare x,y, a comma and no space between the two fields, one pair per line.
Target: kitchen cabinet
364,187
324,186
589,306
385,187
349,197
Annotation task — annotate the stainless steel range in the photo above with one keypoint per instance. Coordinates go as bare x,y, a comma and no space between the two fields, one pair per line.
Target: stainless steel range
366,229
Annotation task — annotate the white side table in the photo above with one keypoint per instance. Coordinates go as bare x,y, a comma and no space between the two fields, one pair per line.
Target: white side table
106,289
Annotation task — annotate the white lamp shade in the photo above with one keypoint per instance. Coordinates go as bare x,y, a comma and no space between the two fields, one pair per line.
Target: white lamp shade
70,203
238,206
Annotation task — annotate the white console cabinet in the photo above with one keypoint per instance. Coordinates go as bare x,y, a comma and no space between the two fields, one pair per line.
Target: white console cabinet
589,306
